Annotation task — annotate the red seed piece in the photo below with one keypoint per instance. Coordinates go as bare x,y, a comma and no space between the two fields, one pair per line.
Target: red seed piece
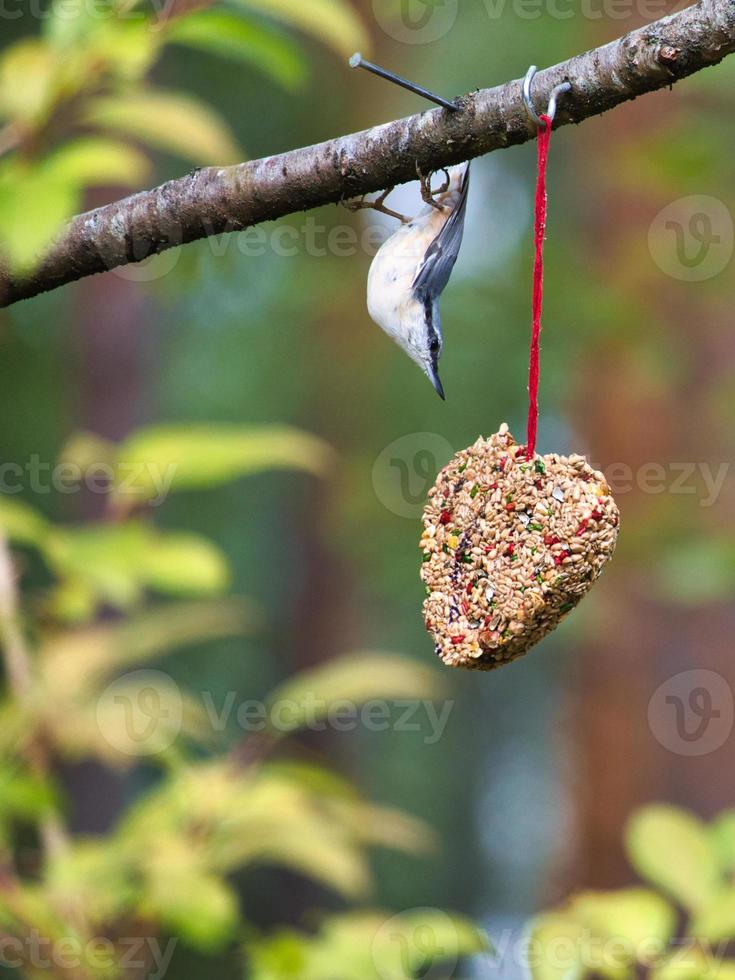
551,539
559,559
456,640
445,517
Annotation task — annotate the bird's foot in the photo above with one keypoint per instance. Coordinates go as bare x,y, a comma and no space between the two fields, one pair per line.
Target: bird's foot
428,195
377,205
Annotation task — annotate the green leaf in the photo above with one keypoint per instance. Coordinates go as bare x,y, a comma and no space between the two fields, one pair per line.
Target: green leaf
333,22
185,563
33,208
200,908
601,933
94,161
181,457
87,451
23,796
283,956
282,824
558,948
22,524
250,820
672,849
168,121
636,918
128,48
96,876
356,678
716,920
79,660
27,81
227,34
117,562
368,946
723,838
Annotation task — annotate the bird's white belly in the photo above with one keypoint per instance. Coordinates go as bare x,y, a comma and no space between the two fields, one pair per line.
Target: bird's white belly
394,269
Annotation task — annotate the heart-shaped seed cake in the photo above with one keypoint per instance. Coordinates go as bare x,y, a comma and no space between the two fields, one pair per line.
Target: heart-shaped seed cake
510,545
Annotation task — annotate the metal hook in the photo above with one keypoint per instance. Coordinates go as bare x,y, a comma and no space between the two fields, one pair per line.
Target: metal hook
357,61
553,99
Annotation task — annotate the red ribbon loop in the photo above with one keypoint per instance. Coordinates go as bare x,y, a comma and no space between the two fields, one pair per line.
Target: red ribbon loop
534,368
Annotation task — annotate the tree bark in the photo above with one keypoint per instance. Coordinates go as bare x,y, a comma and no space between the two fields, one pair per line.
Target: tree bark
213,200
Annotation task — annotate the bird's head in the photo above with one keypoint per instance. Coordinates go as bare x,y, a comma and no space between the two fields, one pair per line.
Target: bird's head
424,344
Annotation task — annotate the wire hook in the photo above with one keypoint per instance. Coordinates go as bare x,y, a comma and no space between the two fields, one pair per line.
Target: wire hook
553,99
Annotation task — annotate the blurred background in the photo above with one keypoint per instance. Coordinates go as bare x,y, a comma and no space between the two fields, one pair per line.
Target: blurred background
529,780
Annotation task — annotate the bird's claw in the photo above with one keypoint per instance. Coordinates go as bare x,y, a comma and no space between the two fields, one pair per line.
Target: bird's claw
428,195
377,205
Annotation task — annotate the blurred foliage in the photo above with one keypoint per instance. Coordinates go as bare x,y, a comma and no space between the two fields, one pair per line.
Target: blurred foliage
628,349
113,563
170,859
679,931
367,947
79,108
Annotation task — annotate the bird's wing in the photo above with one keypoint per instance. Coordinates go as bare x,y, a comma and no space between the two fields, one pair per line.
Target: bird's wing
434,272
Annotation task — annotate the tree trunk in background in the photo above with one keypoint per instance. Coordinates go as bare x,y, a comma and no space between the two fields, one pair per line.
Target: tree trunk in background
637,643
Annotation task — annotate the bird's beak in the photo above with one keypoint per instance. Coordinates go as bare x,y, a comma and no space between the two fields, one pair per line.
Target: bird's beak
433,373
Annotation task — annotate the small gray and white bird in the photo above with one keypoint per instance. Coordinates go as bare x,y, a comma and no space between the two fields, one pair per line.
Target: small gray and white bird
411,271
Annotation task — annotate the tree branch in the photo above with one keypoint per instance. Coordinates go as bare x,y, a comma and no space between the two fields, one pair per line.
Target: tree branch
215,200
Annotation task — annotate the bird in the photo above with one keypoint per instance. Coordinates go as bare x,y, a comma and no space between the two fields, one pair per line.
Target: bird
412,268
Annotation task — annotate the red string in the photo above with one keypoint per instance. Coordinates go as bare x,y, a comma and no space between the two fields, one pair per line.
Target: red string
534,367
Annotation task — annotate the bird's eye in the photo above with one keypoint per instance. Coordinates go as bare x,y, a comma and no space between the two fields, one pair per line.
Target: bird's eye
434,346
